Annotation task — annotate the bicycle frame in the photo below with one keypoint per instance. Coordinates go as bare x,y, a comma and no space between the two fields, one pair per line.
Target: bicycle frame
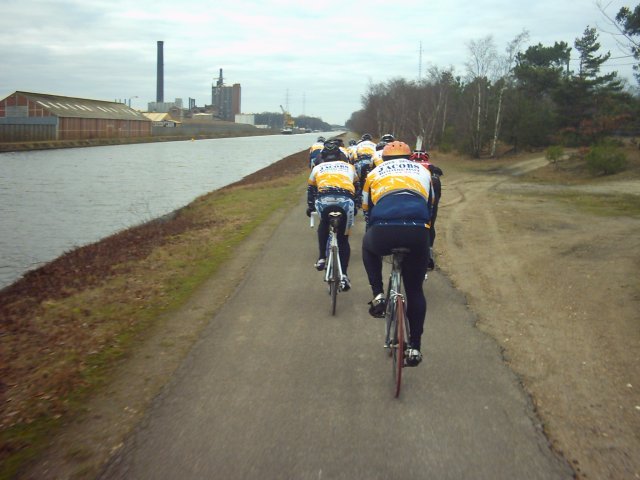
333,252
397,324
333,267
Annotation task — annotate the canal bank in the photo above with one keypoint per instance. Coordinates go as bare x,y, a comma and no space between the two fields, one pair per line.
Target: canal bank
177,136
71,324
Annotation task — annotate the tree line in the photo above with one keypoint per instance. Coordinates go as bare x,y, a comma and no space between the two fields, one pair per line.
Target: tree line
523,98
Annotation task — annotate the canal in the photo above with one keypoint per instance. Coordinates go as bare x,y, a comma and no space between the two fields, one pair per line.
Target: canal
52,201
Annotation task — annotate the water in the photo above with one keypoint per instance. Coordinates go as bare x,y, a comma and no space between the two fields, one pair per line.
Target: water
52,201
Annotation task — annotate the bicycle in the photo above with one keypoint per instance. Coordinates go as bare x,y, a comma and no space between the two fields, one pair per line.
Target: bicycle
333,267
396,321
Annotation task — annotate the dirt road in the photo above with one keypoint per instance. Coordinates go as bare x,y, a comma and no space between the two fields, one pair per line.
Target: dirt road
559,290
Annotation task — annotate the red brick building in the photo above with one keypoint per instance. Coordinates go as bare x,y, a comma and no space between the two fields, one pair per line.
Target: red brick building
26,116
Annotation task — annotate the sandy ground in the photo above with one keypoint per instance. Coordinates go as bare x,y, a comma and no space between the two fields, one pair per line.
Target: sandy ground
559,290
556,287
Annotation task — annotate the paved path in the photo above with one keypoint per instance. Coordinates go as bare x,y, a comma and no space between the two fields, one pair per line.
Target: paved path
277,388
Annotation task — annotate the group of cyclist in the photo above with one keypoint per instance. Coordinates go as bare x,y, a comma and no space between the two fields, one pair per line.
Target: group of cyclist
398,191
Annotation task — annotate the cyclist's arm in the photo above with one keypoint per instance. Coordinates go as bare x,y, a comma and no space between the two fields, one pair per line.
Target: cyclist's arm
312,190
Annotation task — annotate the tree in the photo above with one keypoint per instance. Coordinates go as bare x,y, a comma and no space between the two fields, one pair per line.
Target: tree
590,63
627,23
539,70
505,69
584,100
479,66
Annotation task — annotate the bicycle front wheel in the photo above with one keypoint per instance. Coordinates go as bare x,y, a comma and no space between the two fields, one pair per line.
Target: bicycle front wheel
398,349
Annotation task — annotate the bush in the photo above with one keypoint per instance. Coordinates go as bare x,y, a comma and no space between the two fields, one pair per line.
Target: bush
606,159
554,154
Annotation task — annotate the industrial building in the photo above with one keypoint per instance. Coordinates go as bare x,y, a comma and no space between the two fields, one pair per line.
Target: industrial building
226,100
26,116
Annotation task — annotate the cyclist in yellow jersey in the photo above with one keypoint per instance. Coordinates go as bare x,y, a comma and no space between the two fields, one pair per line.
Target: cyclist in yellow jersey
377,156
315,150
351,149
332,187
397,202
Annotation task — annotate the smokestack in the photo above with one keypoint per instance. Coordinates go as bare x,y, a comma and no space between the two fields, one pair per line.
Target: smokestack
160,75
220,81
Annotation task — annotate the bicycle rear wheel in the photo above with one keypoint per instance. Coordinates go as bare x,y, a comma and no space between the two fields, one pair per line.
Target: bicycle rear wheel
398,348
389,318
334,280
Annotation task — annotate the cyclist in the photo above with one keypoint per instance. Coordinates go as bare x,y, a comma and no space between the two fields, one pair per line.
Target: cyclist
332,187
341,146
422,157
364,159
315,149
396,202
330,152
377,155
352,148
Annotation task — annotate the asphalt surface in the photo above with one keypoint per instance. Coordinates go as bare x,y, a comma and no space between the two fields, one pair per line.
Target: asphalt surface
277,388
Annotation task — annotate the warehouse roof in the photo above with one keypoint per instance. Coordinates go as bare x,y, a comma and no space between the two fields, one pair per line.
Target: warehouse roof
83,107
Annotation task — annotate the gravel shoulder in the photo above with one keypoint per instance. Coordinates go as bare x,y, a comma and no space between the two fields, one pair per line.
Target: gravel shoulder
559,289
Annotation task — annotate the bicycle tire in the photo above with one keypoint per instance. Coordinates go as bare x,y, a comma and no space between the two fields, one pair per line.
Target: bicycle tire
334,281
398,351
388,318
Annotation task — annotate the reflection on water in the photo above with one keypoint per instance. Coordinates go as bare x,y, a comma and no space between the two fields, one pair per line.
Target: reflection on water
55,200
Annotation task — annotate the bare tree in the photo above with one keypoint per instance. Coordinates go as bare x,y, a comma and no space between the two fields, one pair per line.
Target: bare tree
504,71
479,66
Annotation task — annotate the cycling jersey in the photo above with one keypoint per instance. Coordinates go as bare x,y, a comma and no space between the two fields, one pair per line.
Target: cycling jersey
314,152
334,178
353,155
377,158
365,149
398,192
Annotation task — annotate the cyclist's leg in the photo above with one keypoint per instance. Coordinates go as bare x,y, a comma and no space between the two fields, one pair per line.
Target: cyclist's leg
372,251
323,228
345,251
414,268
346,222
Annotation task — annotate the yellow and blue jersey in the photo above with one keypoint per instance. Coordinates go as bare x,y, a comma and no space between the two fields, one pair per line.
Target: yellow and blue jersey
314,152
365,149
398,192
334,178
377,158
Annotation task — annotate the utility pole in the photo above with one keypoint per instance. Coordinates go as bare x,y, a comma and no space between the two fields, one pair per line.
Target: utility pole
420,62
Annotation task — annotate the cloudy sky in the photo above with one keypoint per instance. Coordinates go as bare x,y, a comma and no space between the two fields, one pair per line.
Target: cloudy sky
316,57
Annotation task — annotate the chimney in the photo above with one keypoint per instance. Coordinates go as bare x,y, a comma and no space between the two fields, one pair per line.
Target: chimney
160,75
220,81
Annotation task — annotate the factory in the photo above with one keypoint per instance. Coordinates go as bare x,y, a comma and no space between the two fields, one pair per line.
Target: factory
28,116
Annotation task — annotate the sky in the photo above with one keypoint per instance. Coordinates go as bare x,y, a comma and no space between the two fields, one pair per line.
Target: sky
315,58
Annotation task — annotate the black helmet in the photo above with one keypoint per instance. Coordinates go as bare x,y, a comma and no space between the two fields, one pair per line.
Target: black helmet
380,145
320,139
330,145
388,138
352,142
366,136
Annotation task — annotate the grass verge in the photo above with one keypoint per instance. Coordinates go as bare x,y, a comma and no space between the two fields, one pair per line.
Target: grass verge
66,326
